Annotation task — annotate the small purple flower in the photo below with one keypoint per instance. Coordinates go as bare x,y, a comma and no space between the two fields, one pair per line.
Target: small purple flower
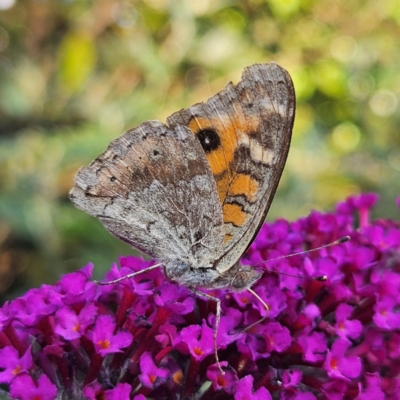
71,325
372,388
346,328
361,203
35,305
264,339
139,397
24,387
244,390
228,326
77,287
198,340
93,391
291,378
338,365
141,285
174,297
167,334
222,381
103,337
12,365
313,345
272,295
387,315
334,389
151,375
393,347
120,392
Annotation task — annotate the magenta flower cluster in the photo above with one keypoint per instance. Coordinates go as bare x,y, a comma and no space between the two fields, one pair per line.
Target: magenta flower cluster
148,337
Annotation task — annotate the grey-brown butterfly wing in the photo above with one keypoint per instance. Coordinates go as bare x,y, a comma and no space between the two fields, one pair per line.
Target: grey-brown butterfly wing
153,189
245,131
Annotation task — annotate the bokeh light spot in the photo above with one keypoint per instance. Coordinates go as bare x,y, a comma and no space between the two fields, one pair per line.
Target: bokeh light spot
343,48
6,4
383,103
345,137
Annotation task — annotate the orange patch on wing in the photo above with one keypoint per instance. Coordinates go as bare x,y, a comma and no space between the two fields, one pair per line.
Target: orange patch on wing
233,131
233,213
223,186
245,185
221,157
227,237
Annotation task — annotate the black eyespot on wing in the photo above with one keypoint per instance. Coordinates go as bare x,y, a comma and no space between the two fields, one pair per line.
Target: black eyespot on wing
209,139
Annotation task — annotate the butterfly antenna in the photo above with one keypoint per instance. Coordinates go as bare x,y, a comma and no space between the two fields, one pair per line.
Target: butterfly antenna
343,239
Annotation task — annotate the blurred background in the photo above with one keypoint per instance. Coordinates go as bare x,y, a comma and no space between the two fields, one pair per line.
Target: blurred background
75,74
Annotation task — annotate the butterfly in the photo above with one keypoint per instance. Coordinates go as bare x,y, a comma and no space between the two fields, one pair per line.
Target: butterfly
194,192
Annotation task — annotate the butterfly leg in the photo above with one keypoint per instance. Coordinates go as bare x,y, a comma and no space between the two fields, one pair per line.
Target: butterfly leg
217,320
130,275
260,320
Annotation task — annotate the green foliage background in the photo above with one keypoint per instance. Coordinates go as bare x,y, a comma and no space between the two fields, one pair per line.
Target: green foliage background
76,74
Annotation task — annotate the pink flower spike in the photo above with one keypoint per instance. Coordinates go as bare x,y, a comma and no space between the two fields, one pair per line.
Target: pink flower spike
149,337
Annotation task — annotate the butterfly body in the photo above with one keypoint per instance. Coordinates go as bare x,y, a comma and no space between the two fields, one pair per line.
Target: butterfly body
194,192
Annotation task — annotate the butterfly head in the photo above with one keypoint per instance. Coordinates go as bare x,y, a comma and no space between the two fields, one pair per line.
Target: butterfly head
241,277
